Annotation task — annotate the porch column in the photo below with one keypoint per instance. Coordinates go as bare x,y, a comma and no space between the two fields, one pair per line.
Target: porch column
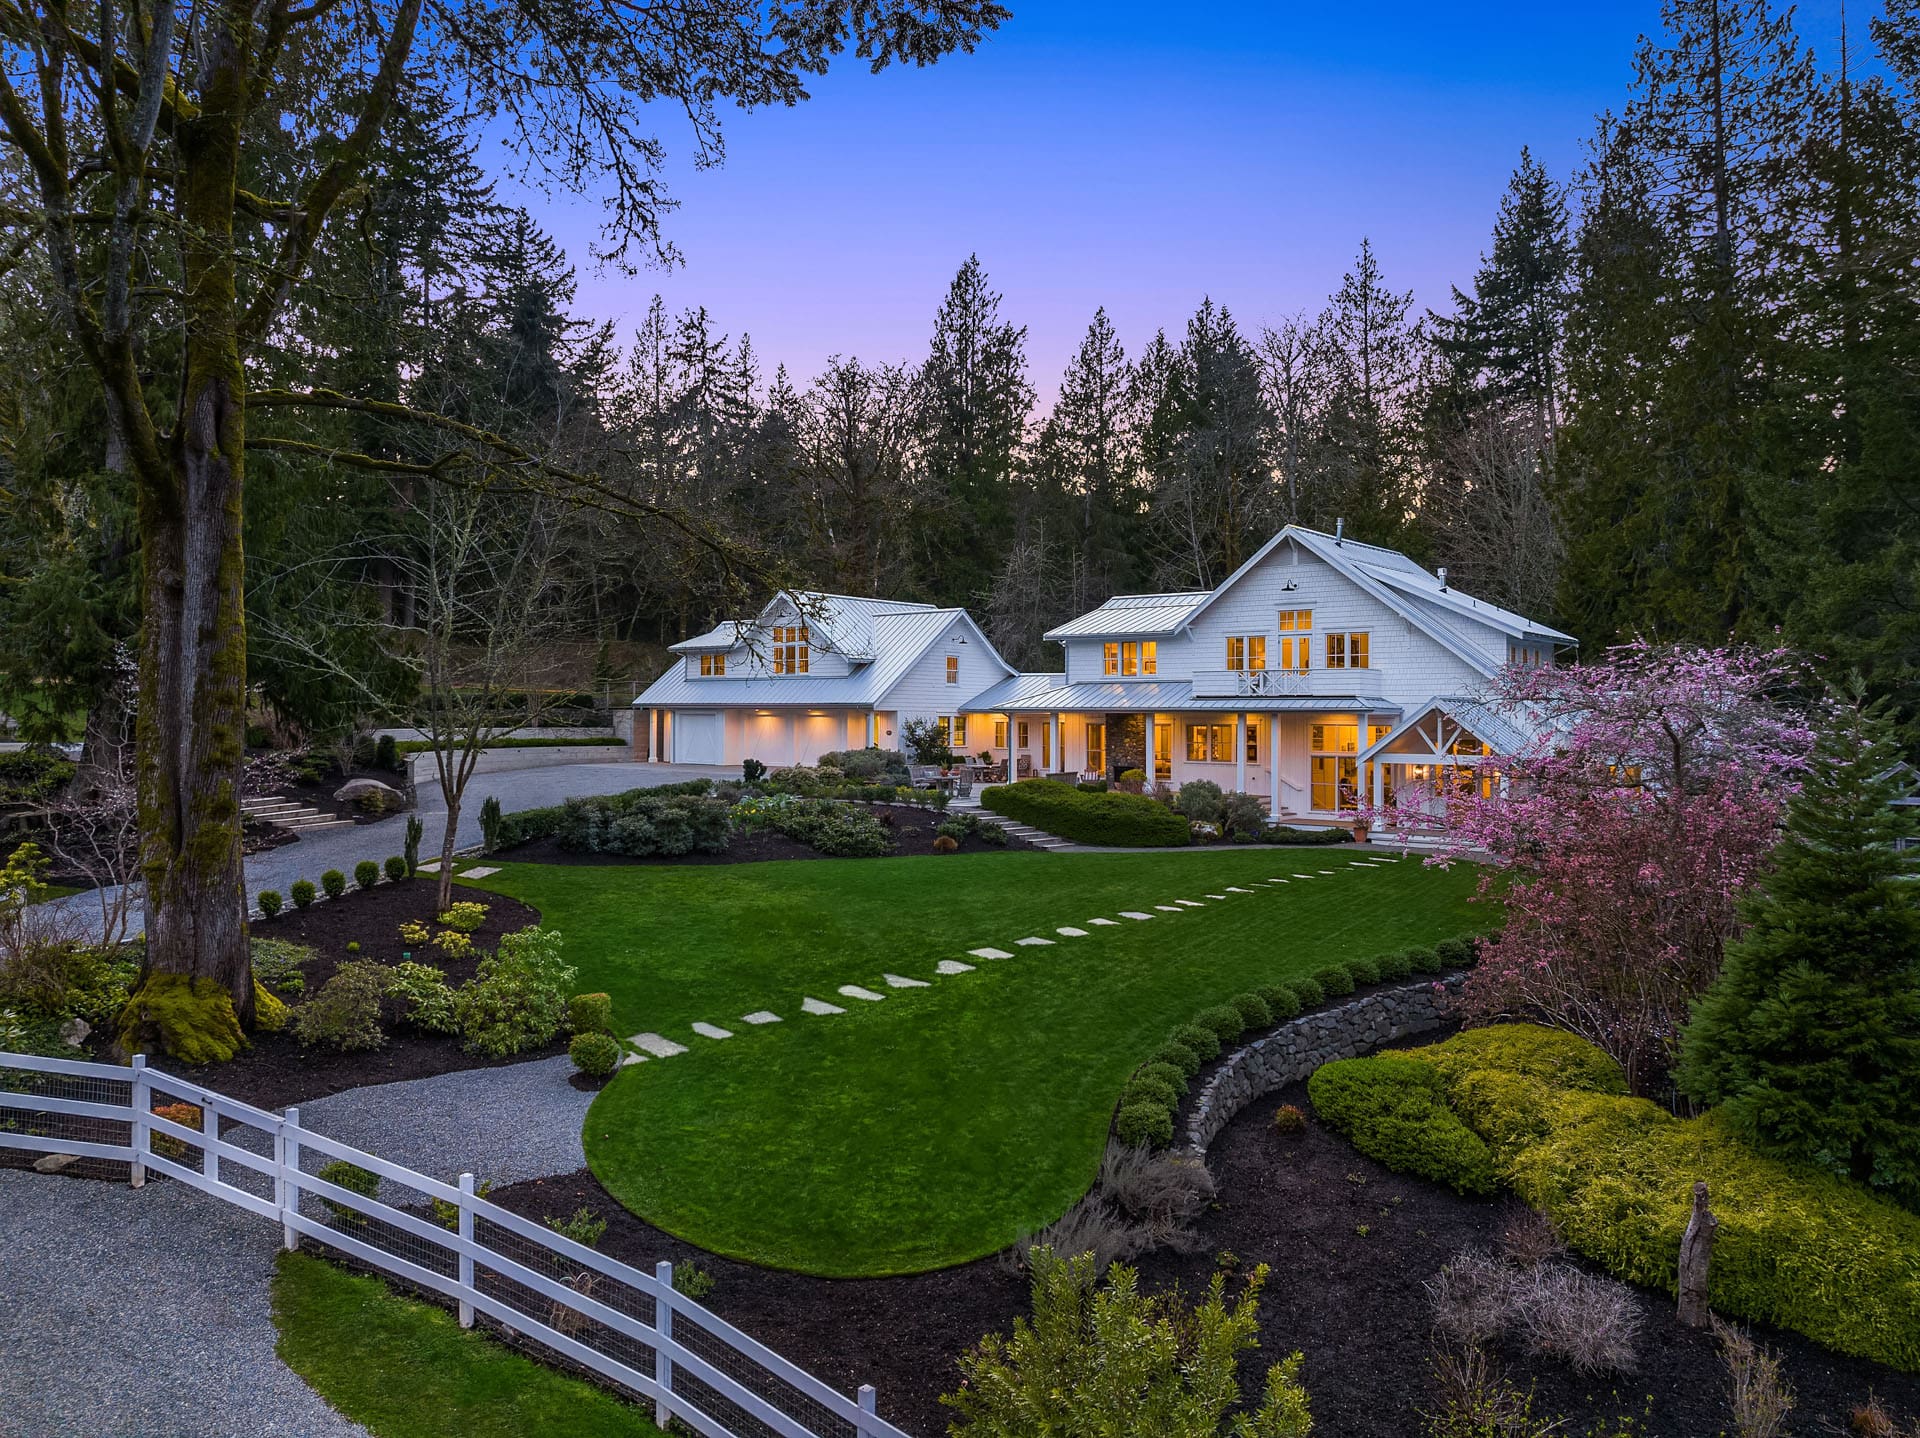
1013,747
1152,758
1059,746
873,729
1273,765
1240,753
1379,793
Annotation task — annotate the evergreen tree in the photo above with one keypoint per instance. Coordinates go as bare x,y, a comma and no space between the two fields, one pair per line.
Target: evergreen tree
1087,462
1810,1039
1366,447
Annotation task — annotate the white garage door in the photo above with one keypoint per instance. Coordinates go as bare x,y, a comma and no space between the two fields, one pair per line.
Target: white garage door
699,737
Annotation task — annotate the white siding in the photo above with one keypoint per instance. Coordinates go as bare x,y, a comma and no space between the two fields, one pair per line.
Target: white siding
923,692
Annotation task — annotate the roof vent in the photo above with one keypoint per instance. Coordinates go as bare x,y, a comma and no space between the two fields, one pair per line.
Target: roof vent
1443,576
1339,530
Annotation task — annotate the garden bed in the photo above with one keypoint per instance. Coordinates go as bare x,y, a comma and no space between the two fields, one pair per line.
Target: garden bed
276,1071
913,830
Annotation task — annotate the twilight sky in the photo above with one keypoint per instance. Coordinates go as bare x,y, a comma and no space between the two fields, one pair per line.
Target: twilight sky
1133,155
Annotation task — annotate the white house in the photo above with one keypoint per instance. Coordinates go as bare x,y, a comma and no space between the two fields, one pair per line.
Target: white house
1321,675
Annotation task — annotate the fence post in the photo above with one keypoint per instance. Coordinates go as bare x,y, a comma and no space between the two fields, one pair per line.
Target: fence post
142,1101
663,1324
466,1249
209,1137
289,1177
869,1403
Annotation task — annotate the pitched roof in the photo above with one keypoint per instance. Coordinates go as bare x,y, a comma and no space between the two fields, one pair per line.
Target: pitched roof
1146,615
1502,731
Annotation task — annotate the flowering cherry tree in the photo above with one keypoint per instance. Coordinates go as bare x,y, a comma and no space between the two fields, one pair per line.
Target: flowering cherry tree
1624,834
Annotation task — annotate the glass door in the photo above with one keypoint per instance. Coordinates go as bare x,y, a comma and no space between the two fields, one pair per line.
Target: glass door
1163,751
1097,750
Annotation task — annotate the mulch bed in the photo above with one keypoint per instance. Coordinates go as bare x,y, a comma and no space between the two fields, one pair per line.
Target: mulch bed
912,829
1354,1304
276,1071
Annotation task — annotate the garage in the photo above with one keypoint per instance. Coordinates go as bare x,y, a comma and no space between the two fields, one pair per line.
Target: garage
699,737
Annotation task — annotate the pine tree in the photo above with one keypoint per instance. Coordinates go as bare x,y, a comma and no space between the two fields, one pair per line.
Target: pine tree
1365,443
1087,467
1810,1039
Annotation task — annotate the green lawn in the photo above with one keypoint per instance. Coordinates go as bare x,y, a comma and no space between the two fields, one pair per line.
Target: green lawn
946,1121
405,1369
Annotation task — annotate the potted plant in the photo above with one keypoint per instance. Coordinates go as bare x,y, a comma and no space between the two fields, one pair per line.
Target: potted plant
1360,831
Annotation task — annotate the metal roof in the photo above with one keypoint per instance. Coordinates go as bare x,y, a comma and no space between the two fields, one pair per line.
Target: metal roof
1028,692
1145,615
1503,732
719,639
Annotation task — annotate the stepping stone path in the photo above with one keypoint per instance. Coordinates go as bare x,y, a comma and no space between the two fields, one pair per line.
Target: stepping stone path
1166,909
1133,914
659,1045
479,873
432,868
1033,941
953,966
854,991
1070,932
712,1031
820,1006
895,981
1236,889
760,1016
990,953
1216,896
1105,923
1329,871
1190,903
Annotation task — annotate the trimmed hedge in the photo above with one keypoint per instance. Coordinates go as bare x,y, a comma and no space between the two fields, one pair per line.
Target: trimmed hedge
1178,1056
1394,1110
1144,1125
1283,834
1120,820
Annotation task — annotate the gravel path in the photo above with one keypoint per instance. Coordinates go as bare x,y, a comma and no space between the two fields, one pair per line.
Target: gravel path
142,1313
506,1124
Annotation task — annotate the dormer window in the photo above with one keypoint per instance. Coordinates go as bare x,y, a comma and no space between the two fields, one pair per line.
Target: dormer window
790,649
713,666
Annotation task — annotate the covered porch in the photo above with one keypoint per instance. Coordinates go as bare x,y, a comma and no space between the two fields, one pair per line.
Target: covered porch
1448,748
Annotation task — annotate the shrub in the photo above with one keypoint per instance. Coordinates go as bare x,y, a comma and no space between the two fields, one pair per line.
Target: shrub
416,933
1394,967
1205,1043
1289,1119
453,944
1590,1323
353,946
385,754
752,771
590,1014
277,964
837,830
354,1179
467,916
302,892
1283,1000
1144,1125
1242,815
187,1115
1199,799
396,868
1255,1012
1176,1055
366,873
270,902
690,1280
1425,961
518,998
583,1226
1173,1077
1336,981
1121,820
595,1054
1364,971
1394,1110
1115,1360
1142,1088
1223,1021
1287,835
334,883
669,820
490,825
1311,992
345,1014
416,831
1455,953
427,1002
944,844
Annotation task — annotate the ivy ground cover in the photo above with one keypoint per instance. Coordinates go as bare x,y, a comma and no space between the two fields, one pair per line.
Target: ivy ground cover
942,1123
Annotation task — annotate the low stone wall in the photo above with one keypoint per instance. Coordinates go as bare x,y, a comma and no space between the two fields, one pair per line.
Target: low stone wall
1296,1048
500,761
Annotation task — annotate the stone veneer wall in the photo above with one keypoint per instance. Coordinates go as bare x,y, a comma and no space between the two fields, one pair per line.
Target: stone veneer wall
1295,1049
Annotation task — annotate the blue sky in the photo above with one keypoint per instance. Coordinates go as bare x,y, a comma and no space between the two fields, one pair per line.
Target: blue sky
1132,155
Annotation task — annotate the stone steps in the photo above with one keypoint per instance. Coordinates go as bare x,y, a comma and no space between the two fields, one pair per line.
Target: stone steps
286,814
1039,838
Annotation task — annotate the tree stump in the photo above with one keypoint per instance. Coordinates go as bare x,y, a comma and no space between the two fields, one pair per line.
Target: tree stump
1696,1252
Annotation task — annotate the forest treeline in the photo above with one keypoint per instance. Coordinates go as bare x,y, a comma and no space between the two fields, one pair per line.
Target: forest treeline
1678,397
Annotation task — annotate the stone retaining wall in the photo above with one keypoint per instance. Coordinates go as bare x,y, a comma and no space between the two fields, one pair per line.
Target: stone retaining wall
1299,1046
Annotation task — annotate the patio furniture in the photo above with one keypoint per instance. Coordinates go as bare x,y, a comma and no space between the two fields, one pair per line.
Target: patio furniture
1026,766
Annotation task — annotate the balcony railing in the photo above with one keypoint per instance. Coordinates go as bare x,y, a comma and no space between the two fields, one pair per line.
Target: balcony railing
1275,683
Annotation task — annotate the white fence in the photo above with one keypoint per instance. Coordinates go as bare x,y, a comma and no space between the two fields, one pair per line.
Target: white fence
630,1328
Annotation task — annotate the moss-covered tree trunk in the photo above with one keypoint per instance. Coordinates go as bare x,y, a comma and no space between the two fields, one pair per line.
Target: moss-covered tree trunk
192,721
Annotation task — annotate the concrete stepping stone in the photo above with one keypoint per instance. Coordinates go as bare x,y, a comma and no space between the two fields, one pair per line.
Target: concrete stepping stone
952,966
1167,908
760,1016
820,1006
1032,941
479,873
1105,923
1236,889
712,1031
1190,903
1217,896
1303,876
432,868
627,1061
896,981
854,991
990,953
1135,914
1329,871
1070,932
659,1045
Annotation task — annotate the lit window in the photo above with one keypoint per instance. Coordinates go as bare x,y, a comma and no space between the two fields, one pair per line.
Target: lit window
1247,652
1296,640
712,665
1112,658
790,649
1335,771
1096,748
1347,651
1023,734
1139,658
1196,743
953,669
959,731
1150,657
943,731
1253,743
999,733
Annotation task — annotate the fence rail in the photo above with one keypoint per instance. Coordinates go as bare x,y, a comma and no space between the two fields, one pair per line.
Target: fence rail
631,1329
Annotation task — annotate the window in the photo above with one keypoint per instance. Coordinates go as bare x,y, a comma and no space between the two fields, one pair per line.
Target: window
945,731
1347,651
1253,741
1335,769
960,731
1097,749
713,665
1213,743
953,669
1196,743
1247,652
1112,654
1162,750
1296,640
999,733
790,649
1023,734
1046,746
1139,658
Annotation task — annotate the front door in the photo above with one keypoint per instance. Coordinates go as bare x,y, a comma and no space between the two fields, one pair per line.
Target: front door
1097,749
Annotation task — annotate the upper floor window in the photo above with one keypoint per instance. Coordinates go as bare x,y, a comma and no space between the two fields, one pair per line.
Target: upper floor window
1110,655
953,669
1247,652
1347,651
790,649
713,665
1142,657
1296,640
